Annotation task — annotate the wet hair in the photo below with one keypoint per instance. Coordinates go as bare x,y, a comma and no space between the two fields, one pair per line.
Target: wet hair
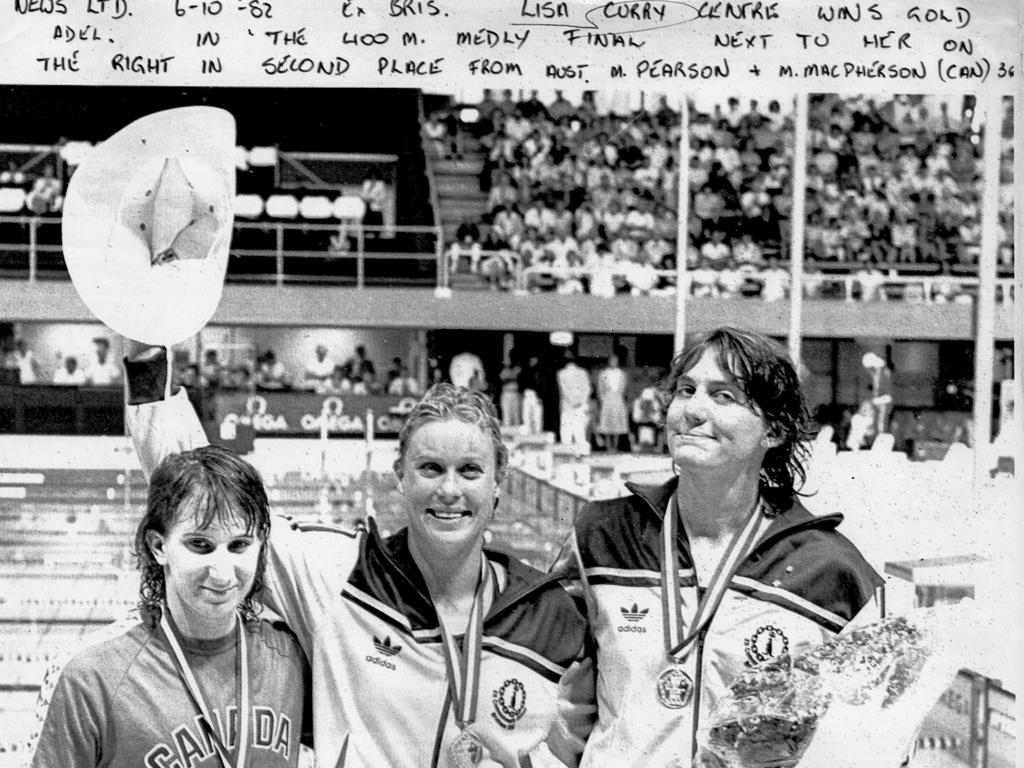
446,402
214,484
769,381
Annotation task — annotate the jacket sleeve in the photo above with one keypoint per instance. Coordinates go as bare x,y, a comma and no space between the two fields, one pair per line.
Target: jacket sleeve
577,709
577,698
159,424
72,724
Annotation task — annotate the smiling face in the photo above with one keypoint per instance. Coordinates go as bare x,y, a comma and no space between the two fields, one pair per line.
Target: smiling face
208,570
712,425
449,479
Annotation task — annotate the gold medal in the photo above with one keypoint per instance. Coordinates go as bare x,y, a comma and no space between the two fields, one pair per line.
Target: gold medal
675,688
466,750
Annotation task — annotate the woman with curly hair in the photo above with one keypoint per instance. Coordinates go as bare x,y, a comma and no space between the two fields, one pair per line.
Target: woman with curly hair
196,678
719,569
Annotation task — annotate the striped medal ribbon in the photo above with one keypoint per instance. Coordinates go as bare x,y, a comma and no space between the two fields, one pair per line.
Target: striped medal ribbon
241,692
674,684
464,674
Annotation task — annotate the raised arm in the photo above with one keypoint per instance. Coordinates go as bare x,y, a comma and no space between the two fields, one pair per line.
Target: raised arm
160,423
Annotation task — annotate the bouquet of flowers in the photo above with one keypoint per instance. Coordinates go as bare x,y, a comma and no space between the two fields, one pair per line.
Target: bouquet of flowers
865,692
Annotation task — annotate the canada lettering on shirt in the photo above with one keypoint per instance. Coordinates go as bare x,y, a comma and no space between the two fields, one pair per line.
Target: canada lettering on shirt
191,743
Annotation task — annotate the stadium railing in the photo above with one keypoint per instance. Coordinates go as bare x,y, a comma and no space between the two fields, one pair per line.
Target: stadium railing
37,254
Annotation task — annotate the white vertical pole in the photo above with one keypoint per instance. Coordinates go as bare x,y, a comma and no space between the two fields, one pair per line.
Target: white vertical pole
798,219
1018,294
682,222
991,108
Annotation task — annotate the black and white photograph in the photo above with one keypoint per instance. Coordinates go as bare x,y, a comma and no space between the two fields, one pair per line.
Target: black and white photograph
488,411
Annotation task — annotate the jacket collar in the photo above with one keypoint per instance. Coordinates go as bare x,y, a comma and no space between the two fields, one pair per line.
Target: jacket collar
388,571
785,521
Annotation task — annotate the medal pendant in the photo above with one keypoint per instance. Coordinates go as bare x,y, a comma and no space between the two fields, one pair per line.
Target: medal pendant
674,687
465,751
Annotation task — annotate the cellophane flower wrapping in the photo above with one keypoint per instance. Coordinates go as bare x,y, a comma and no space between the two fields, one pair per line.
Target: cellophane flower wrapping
867,690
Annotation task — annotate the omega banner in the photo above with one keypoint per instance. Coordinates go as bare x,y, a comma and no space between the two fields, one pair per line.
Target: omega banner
305,413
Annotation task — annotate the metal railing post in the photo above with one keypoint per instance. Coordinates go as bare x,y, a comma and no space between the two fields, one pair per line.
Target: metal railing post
280,255
360,257
33,255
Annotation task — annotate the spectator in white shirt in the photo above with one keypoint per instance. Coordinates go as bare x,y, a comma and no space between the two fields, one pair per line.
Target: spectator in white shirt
716,250
731,280
69,374
319,368
101,370
775,281
746,251
704,280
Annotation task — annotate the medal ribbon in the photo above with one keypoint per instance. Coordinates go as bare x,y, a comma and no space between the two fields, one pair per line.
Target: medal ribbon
464,668
241,692
677,644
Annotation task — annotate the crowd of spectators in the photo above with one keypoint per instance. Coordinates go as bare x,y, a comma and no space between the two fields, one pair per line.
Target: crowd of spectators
580,201
97,368
44,191
321,373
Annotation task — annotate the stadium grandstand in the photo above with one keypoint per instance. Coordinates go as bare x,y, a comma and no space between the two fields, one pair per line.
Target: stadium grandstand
388,239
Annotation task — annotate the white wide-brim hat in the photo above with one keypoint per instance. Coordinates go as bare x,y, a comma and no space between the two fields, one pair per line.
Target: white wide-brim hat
147,223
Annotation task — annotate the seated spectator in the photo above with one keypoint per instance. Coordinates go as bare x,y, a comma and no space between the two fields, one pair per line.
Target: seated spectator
20,357
374,195
188,376
318,369
507,227
639,222
746,251
212,373
359,365
271,373
870,279
731,279
708,206
704,280
337,384
640,275
239,377
602,269
775,281
69,374
13,176
366,385
500,268
101,370
613,221
436,133
466,245
585,223
401,382
504,194
560,107
904,238
716,251
47,193
532,107
339,243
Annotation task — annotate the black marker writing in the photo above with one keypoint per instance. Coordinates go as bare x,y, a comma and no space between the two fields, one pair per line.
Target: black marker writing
281,65
68,34
494,67
40,6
